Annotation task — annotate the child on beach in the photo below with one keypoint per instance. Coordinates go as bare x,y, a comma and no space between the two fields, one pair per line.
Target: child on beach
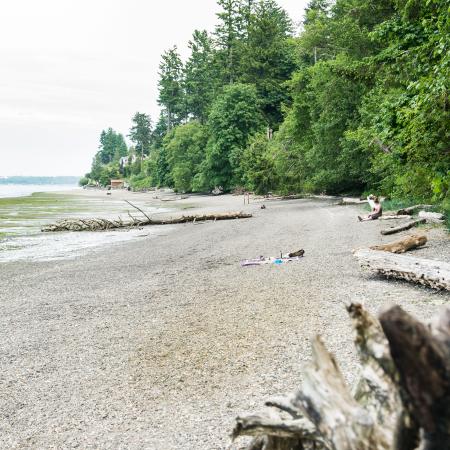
377,210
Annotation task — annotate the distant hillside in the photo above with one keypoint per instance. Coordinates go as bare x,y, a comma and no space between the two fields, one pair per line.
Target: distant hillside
39,180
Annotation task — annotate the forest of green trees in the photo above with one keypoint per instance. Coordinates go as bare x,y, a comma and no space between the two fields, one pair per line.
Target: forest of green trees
358,100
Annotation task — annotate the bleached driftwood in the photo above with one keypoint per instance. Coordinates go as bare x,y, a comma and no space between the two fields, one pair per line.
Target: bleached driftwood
431,217
403,227
404,389
428,272
412,209
394,217
402,245
96,224
353,201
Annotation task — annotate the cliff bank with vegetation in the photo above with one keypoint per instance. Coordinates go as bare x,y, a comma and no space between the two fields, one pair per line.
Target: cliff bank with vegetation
358,100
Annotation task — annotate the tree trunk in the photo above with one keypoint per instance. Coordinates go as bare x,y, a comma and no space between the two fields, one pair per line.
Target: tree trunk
403,227
105,224
412,209
402,245
435,274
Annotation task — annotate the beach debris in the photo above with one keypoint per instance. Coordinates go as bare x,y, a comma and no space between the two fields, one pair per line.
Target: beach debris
394,217
282,259
431,217
403,227
428,272
300,252
353,201
218,190
402,245
393,405
98,224
412,209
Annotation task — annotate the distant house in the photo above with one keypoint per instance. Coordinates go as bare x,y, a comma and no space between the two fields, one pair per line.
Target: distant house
126,160
117,184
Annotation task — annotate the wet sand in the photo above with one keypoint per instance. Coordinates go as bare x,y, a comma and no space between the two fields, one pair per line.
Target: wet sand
160,342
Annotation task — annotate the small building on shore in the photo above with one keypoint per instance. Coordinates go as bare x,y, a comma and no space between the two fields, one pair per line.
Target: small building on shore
117,184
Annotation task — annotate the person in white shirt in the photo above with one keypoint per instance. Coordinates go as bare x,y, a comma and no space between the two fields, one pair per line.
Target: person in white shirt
377,210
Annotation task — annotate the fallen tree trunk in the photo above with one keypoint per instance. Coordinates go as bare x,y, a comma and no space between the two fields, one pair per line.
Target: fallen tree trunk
402,245
96,224
412,209
428,272
399,394
404,227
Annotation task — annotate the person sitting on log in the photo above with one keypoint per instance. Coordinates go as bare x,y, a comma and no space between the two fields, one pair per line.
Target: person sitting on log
377,210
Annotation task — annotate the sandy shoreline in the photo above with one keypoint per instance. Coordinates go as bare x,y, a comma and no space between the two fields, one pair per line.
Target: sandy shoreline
159,343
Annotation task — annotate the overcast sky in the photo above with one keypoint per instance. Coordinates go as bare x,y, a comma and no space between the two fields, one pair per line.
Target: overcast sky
69,68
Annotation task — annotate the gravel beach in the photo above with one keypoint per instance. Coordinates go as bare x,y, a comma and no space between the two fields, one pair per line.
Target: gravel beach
160,342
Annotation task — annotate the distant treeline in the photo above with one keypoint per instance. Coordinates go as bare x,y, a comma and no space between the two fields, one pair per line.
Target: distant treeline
39,180
358,100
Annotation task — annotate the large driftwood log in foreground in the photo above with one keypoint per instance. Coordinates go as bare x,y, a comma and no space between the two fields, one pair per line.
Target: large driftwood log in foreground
106,224
435,274
412,209
404,387
423,361
403,245
403,227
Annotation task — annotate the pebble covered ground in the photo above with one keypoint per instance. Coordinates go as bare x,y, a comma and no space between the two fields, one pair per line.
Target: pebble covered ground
161,342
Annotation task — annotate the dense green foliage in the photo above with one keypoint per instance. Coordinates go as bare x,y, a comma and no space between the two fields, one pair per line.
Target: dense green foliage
358,101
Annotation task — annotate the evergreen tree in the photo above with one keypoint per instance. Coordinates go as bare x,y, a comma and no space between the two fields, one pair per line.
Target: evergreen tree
112,145
200,76
229,33
171,95
141,133
268,57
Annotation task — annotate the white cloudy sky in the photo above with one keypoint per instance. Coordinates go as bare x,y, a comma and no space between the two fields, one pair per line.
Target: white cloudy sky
69,68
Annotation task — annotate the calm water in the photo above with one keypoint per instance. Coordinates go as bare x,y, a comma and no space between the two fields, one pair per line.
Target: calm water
22,214
21,190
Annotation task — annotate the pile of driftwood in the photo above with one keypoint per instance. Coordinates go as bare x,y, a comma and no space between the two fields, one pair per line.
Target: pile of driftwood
401,402
407,213
97,224
386,260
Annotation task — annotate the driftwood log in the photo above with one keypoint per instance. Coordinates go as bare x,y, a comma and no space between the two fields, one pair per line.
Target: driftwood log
431,217
412,209
428,272
394,217
95,224
401,402
402,245
403,227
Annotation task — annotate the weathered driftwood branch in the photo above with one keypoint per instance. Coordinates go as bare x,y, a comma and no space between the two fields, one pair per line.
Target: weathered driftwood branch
423,361
395,397
412,209
394,217
402,245
431,217
95,224
435,274
403,227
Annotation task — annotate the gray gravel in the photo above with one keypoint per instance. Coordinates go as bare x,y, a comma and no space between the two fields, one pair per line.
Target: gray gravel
161,342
